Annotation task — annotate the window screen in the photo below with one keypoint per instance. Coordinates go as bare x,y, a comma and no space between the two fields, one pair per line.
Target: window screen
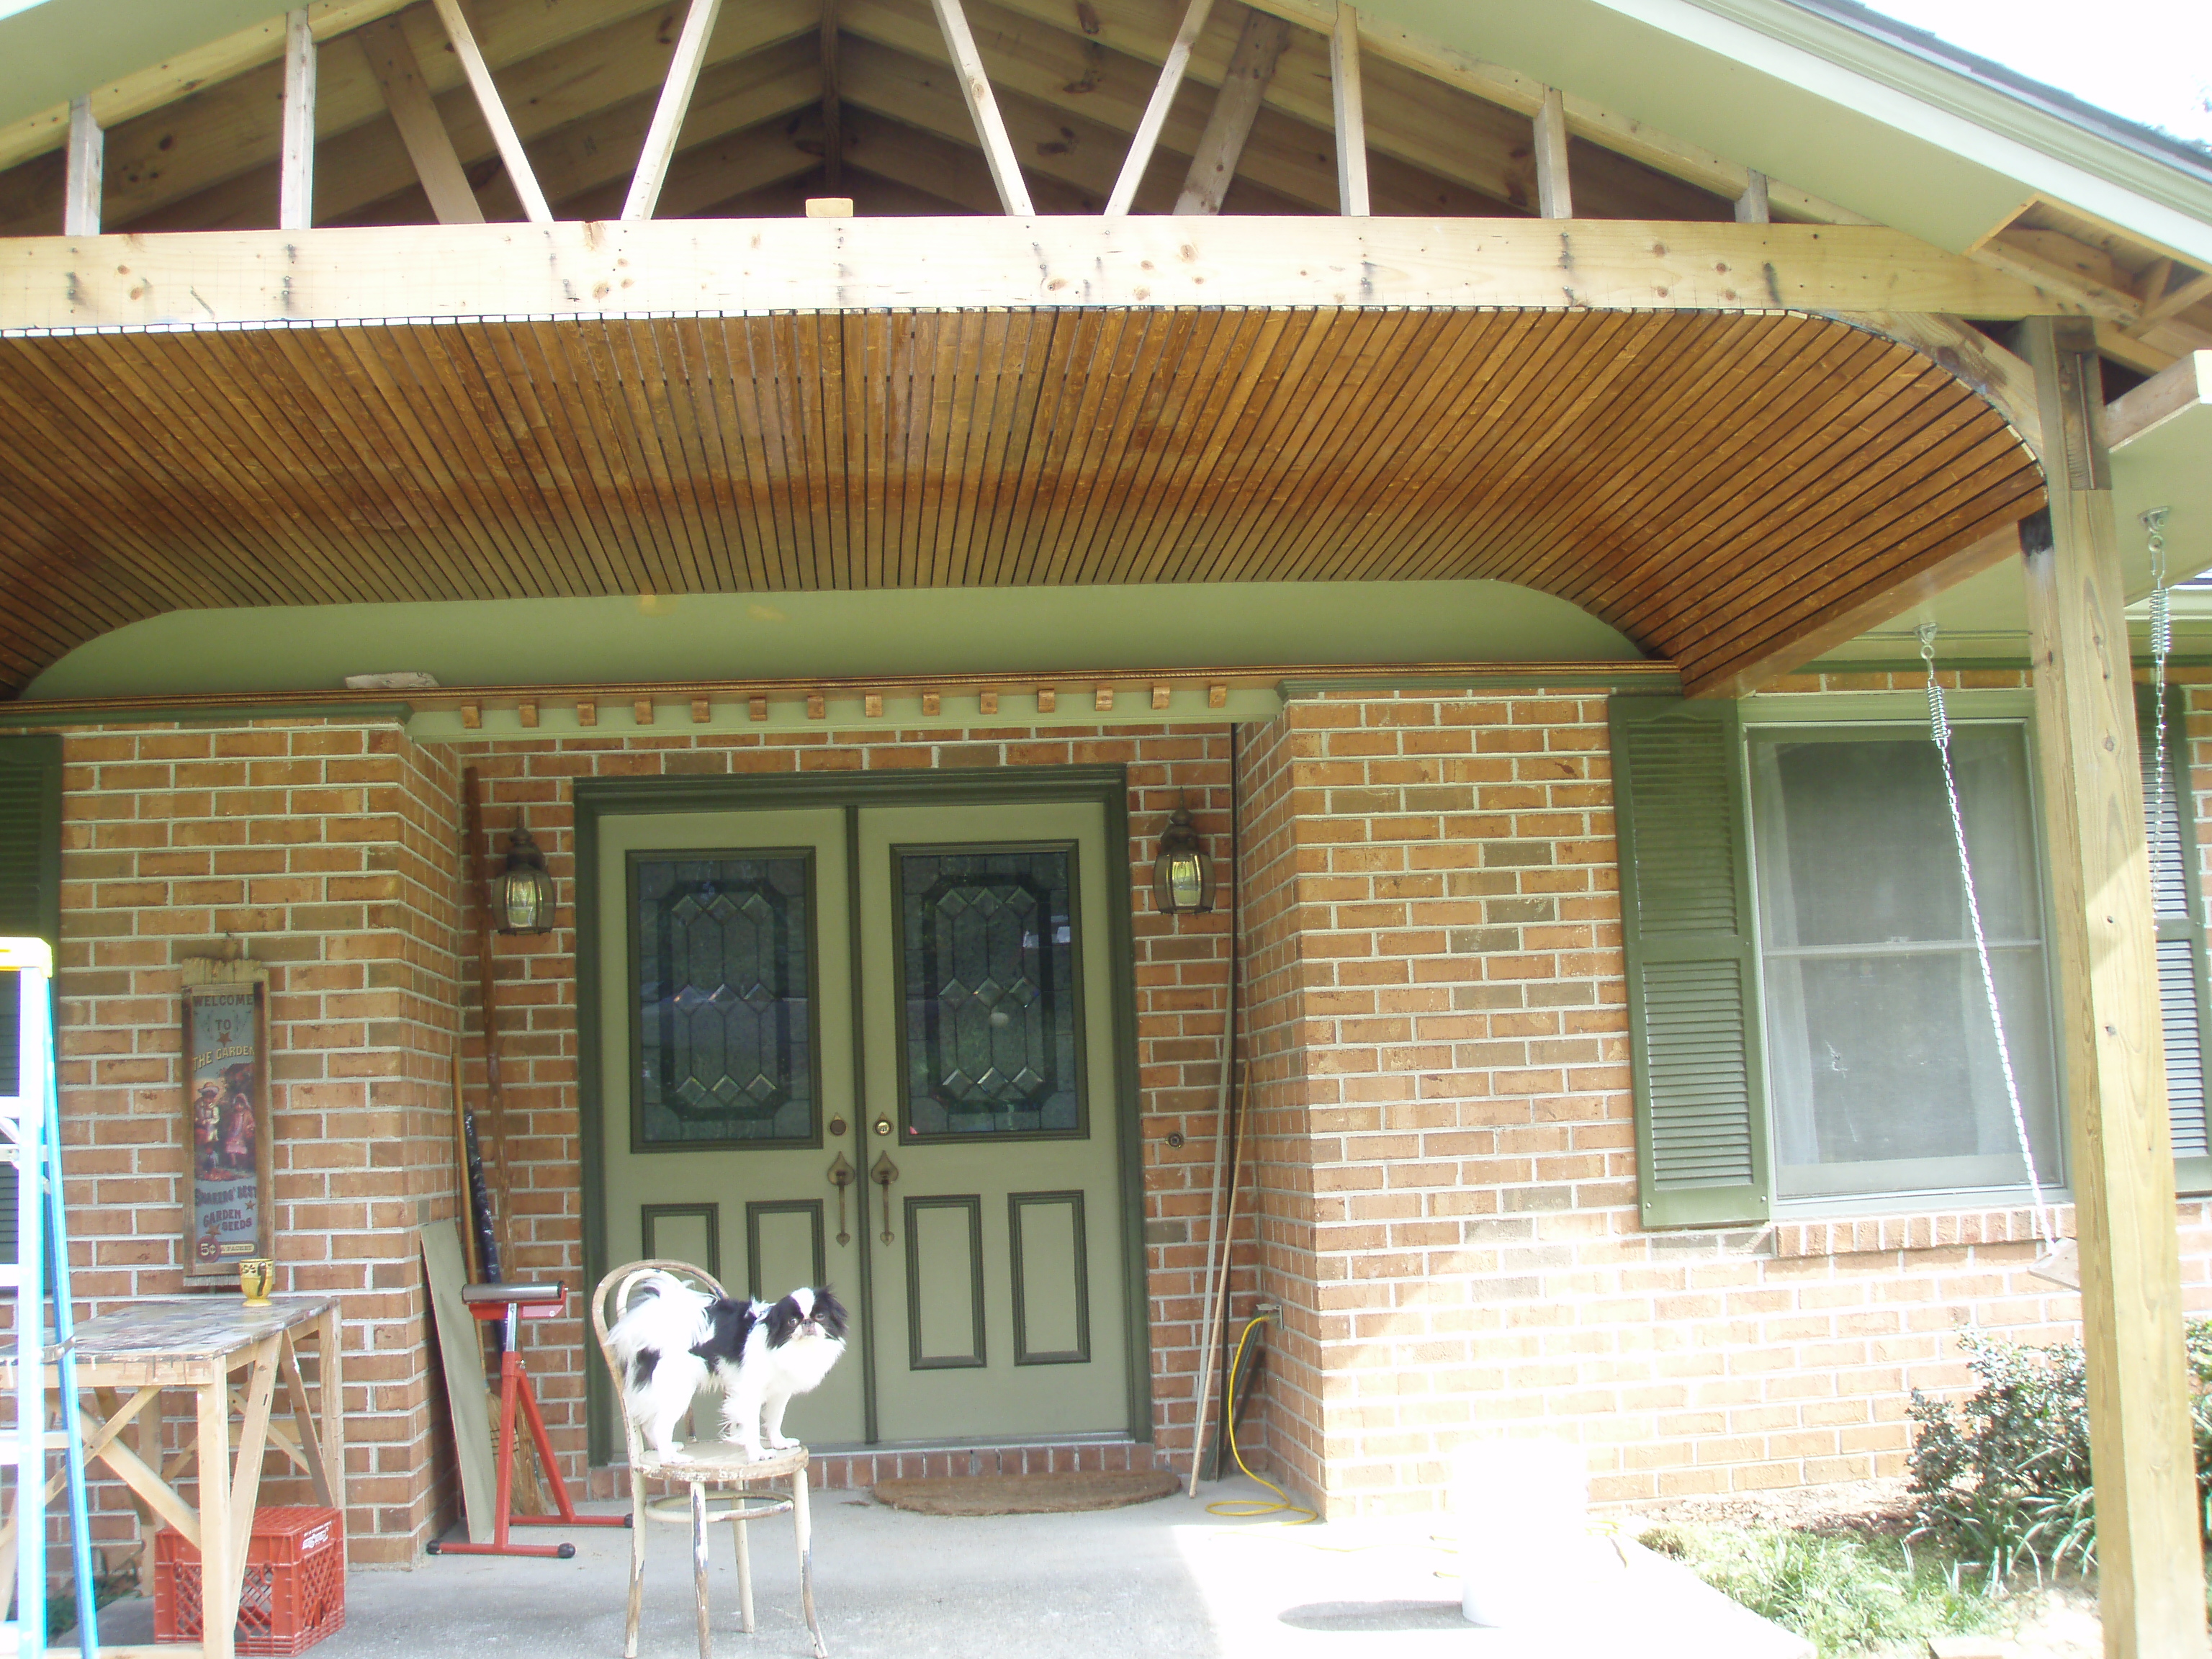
1882,1063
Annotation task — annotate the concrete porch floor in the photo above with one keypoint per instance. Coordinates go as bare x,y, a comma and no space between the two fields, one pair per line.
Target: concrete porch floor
1159,1577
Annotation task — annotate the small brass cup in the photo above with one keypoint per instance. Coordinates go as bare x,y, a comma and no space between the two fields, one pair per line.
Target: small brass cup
256,1274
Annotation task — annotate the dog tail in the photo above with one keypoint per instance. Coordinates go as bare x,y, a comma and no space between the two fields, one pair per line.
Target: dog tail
664,1314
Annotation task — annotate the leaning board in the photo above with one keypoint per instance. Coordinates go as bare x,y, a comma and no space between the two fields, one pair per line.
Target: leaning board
460,1347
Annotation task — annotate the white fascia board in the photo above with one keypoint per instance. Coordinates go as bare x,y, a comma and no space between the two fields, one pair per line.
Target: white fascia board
1850,117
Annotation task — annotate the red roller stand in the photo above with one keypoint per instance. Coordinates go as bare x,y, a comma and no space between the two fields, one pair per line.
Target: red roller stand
512,1303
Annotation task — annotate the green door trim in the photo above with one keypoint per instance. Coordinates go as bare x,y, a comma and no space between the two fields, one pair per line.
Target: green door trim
597,798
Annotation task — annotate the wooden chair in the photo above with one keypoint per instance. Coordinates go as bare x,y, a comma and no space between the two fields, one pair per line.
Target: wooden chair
719,1463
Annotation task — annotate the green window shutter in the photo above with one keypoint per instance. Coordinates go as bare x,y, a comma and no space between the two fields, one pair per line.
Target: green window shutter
30,897
1693,1015
2184,990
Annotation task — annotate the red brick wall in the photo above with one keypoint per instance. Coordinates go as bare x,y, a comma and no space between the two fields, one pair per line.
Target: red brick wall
1447,1147
322,848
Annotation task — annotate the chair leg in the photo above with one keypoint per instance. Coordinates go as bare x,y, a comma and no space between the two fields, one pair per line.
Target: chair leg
805,1528
637,1562
699,1566
745,1568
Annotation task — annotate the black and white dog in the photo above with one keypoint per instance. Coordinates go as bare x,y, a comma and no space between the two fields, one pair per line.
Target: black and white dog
672,1341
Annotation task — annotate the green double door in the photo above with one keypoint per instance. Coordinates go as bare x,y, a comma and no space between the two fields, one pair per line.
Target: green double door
871,1047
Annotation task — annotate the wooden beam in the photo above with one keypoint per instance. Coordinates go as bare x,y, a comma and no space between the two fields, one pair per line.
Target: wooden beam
296,160
2122,346
859,264
833,114
983,108
2182,385
81,178
668,115
2150,1566
1555,196
495,112
1259,44
1156,112
2192,292
1753,208
179,76
391,60
1350,112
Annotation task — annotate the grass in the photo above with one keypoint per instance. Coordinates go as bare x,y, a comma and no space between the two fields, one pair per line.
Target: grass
1849,1593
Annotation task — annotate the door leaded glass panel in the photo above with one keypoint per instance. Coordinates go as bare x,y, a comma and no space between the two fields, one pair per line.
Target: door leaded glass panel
724,999
992,1025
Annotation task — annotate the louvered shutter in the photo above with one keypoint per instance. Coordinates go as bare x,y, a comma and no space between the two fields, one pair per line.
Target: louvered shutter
1693,1014
2182,968
30,897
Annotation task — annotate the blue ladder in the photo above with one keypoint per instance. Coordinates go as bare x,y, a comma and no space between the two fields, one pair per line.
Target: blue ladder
31,1140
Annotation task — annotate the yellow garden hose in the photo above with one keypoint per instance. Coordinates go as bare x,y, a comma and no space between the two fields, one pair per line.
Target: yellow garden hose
1251,1509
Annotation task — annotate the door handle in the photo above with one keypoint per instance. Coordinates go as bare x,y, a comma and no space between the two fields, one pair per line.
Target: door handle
841,1177
883,1172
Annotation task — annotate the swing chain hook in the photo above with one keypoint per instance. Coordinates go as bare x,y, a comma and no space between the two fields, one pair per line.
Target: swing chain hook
1938,723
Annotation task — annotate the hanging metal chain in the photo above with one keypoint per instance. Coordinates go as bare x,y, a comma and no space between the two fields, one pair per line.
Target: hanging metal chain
1938,728
2161,646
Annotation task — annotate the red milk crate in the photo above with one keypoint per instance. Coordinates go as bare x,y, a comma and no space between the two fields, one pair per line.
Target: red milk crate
295,1590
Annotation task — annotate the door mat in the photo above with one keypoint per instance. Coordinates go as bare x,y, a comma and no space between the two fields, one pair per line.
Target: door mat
1026,1494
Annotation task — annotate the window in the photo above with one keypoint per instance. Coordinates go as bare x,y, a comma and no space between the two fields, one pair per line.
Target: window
1805,1014
1883,1070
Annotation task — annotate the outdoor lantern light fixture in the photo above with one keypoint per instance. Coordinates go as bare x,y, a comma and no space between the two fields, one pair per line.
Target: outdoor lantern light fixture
1182,875
522,893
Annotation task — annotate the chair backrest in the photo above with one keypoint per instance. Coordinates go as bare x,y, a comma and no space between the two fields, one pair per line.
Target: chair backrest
610,1299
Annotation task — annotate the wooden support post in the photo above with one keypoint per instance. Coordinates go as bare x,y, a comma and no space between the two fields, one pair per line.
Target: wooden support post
1260,44
87,162
1555,199
983,109
429,146
1751,207
2149,1566
1156,112
1350,113
296,166
668,114
495,112
833,111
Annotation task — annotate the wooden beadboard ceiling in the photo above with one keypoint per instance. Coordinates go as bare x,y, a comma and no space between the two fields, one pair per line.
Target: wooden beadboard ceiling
1705,483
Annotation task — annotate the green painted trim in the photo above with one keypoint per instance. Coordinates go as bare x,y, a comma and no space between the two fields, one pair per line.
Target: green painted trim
1081,1353
810,1208
648,1214
866,1311
211,711
979,1355
1655,678
595,797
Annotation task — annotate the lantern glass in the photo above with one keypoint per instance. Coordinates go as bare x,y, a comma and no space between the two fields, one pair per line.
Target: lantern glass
1182,875
524,895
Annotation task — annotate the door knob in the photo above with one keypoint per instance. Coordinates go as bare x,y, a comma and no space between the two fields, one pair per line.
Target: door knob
882,1126
883,1172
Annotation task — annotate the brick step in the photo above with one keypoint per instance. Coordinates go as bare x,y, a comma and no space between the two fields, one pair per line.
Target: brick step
847,1471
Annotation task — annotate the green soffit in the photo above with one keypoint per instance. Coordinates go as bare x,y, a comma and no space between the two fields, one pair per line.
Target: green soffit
53,52
728,636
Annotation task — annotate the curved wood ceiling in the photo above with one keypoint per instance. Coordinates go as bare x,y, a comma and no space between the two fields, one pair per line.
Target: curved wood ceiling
1708,483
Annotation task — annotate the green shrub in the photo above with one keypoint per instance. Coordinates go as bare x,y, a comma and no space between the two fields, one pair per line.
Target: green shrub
1843,1592
2002,1479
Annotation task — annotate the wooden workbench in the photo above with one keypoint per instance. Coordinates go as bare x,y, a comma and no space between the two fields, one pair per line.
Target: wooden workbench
199,1343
